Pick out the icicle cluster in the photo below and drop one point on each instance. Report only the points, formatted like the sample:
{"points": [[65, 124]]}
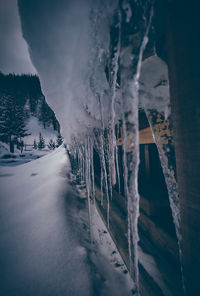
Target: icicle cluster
{"points": [[98, 65], [120, 97]]}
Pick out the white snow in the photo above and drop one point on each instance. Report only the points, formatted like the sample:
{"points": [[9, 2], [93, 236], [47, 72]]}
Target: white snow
{"points": [[32, 209], [45, 172], [107, 257], [18, 158], [4, 149], [149, 264], [34, 127]]}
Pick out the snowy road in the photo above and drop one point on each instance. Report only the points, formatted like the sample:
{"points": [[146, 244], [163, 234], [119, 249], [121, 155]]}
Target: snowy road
{"points": [[44, 248]]}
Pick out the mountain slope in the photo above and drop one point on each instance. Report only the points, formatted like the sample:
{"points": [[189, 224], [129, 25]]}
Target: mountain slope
{"points": [[24, 112]]}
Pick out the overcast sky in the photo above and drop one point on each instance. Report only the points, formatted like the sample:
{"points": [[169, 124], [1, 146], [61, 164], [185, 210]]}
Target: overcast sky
{"points": [[14, 56]]}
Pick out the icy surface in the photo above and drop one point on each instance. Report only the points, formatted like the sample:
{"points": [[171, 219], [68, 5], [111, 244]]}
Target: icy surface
{"points": [[44, 236]]}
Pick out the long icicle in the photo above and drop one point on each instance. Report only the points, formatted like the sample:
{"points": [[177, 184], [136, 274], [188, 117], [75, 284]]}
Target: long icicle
{"points": [[125, 168], [117, 167], [133, 166], [105, 179], [88, 185], [113, 98], [101, 186], [92, 169], [103, 161]]}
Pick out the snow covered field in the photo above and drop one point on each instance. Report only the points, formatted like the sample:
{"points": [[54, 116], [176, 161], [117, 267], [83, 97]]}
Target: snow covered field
{"points": [[45, 245], [35, 127], [18, 158]]}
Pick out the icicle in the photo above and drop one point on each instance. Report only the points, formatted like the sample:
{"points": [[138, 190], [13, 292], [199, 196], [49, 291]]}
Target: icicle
{"points": [[109, 166], [82, 166], [101, 186], [82, 163], [117, 160], [103, 161], [88, 185], [92, 170], [117, 167], [170, 179], [125, 168], [113, 115], [131, 163]]}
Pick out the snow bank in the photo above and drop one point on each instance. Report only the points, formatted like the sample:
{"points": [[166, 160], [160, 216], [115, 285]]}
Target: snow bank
{"points": [[38, 206]]}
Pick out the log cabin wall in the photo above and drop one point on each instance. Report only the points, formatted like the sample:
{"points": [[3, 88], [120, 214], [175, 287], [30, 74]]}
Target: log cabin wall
{"points": [[182, 26], [156, 228], [177, 27], [177, 43]]}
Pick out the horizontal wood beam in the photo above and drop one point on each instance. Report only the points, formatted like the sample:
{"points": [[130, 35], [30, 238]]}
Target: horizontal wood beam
{"points": [[145, 136]]}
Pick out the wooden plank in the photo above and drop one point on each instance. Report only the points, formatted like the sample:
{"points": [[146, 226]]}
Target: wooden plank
{"points": [[146, 136]]}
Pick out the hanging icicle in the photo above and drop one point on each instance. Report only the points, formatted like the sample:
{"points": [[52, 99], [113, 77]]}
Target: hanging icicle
{"points": [[115, 68], [130, 89]]}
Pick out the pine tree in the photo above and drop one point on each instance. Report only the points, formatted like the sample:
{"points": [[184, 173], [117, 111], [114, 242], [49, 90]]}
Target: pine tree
{"points": [[51, 145], [20, 98], [59, 140], [21, 130], [44, 116], [41, 143], [12, 125], [35, 144]]}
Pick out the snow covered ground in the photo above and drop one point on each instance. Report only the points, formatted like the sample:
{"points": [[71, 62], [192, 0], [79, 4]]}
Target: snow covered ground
{"points": [[35, 127], [45, 244], [18, 158]]}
